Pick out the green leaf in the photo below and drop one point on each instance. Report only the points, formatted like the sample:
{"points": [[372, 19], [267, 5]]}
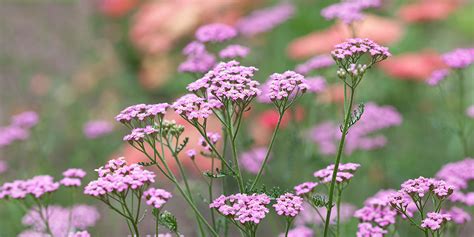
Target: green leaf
{"points": [[167, 220]]}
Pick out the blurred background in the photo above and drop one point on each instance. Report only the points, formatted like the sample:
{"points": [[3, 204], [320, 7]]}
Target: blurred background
{"points": [[78, 63]]}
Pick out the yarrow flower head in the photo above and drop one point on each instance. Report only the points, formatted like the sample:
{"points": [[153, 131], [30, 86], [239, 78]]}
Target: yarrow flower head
{"points": [[378, 210], [139, 134], [244, 208], [264, 20], [26, 119], [72, 177], [286, 85], [344, 174], [156, 197], [252, 159], [228, 81], [458, 215], [314, 63], [350, 51], [349, 10], [368, 230], [288, 205], [304, 188], [117, 177], [191, 106], [316, 84], [459, 58], [434, 221], [141, 112], [97, 128], [198, 62], [215, 33], [36, 187], [437, 76], [459, 174], [213, 137], [234, 51], [419, 186]]}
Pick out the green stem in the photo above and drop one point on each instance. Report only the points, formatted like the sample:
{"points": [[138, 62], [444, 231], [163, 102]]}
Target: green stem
{"points": [[338, 203], [461, 132], [336, 165], [259, 174], [288, 225]]}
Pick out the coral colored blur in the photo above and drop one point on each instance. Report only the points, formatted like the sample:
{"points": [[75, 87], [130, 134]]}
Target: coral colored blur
{"points": [[412, 66], [379, 29], [428, 10], [116, 8]]}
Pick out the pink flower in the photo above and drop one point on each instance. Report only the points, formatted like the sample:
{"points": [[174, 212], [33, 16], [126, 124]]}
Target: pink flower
{"points": [[304, 188], [368, 230], [156, 197], [97, 128], [215, 33], [141, 112], [470, 111], [228, 81], [349, 10], [234, 51], [345, 173], [264, 20], [356, 47], [315, 63], [286, 85], [190, 107], [288, 205], [459, 216], [243, 208], [26, 119], [252, 159], [459, 58], [437, 76], [434, 220]]}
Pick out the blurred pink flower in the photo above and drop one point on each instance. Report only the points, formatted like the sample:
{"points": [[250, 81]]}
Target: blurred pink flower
{"points": [[3, 166], [97, 128], [470, 111], [252, 159], [310, 216], [428, 10], [412, 66]]}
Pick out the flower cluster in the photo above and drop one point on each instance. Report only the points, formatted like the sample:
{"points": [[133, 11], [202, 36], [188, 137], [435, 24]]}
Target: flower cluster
{"points": [[350, 51], [117, 177], [156, 197], [459, 58], [377, 210], [141, 112], [36, 187], [252, 159], [265, 19], [349, 11], [228, 81], [421, 186], [458, 215], [97, 128], [72, 177], [19, 128], [434, 220], [459, 174], [437, 76], [139, 134], [198, 59], [368, 230], [316, 84], [286, 85], [288, 205], [243, 208], [213, 137], [314, 63], [304, 188], [61, 221], [215, 33], [374, 118], [470, 111], [234, 51], [344, 174], [191, 107]]}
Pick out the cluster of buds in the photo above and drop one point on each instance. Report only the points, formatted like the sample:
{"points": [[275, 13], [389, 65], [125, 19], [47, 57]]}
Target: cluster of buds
{"points": [[171, 128]]}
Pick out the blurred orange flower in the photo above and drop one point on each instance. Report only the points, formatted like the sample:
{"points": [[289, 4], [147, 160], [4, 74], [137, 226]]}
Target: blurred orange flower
{"points": [[412, 66], [380, 29], [428, 10]]}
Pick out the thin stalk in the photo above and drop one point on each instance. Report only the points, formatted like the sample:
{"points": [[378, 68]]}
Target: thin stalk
{"points": [[288, 225], [338, 206], [259, 174], [461, 132], [336, 165]]}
